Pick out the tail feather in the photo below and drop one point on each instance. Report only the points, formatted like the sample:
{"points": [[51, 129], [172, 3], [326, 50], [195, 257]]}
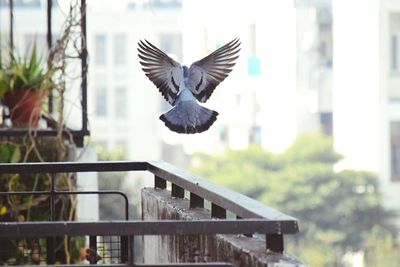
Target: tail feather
{"points": [[189, 118]]}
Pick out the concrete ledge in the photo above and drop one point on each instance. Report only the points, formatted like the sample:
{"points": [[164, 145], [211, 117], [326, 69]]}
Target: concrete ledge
{"points": [[240, 250]]}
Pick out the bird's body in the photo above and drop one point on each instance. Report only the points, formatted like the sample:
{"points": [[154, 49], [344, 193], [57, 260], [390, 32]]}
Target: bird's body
{"points": [[183, 87]]}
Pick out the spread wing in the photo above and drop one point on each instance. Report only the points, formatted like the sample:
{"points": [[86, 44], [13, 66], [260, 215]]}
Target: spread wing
{"points": [[207, 73], [163, 71]]}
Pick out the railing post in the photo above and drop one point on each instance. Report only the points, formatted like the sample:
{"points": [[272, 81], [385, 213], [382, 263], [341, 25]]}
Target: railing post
{"points": [[50, 253], [51, 241], [239, 218], [217, 212], [124, 240], [84, 67], [131, 261], [124, 249], [159, 182], [93, 250], [11, 36], [177, 191], [49, 44], [274, 242], [196, 201]]}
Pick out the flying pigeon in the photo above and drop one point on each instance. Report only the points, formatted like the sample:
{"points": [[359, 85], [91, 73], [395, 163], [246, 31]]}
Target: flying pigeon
{"points": [[183, 87]]}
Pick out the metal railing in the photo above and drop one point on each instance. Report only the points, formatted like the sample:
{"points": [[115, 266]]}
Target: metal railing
{"points": [[252, 216]]}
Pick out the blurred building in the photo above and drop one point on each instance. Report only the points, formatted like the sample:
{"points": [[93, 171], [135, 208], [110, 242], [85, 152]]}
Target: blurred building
{"points": [[124, 104], [366, 89], [281, 85]]}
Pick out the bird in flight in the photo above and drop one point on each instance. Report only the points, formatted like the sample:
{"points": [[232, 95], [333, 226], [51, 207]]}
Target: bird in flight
{"points": [[184, 87]]}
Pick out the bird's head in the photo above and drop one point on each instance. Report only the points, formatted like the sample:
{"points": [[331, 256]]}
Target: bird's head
{"points": [[185, 71]]}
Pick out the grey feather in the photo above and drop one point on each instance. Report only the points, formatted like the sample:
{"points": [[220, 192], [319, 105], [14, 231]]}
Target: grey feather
{"points": [[206, 74], [163, 71], [188, 117], [183, 87]]}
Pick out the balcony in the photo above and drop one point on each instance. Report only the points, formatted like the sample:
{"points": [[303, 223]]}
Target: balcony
{"points": [[186, 221]]}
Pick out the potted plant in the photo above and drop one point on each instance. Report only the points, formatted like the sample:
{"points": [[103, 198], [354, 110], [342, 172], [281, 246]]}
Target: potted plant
{"points": [[25, 82]]}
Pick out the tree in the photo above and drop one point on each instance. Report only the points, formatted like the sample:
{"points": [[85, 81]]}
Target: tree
{"points": [[336, 210]]}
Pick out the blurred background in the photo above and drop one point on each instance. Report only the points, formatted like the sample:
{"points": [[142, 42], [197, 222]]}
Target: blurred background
{"points": [[309, 118]]}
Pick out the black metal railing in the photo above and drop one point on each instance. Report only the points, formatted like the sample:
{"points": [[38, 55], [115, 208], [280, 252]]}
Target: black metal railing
{"points": [[252, 216], [78, 135]]}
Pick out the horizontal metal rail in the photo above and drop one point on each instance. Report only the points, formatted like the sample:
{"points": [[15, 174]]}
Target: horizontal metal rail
{"points": [[139, 227], [239, 204], [195, 264], [272, 222], [77, 135], [61, 167]]}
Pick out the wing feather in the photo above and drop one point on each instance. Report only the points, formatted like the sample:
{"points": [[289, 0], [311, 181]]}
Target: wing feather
{"points": [[163, 71], [206, 74]]}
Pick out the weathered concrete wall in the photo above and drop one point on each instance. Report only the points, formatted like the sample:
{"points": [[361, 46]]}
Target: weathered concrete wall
{"points": [[241, 250]]}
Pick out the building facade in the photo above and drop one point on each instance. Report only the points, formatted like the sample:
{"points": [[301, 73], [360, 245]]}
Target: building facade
{"points": [[366, 88]]}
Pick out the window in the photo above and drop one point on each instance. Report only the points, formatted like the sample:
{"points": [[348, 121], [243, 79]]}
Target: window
{"points": [[121, 102], [253, 64], [395, 52], [326, 123], [120, 50], [100, 49], [255, 135], [101, 101], [395, 42], [395, 150]]}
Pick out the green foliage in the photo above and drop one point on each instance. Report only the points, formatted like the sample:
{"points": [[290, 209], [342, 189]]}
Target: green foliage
{"points": [[9, 152], [381, 249], [31, 208], [23, 73], [337, 210]]}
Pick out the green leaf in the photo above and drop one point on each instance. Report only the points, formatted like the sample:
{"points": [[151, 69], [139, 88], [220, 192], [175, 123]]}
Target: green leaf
{"points": [[16, 155]]}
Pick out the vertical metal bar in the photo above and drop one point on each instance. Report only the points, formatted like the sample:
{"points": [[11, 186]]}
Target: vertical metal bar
{"points": [[274, 242], [239, 218], [196, 201], [159, 182], [11, 10], [49, 20], [84, 67], [124, 249], [50, 241], [217, 212], [50, 251], [131, 261], [1, 45], [124, 239], [177, 191], [52, 197], [93, 250], [49, 44]]}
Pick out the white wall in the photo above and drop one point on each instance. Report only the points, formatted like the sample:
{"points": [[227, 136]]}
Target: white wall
{"points": [[279, 93], [356, 85], [391, 110], [87, 205]]}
